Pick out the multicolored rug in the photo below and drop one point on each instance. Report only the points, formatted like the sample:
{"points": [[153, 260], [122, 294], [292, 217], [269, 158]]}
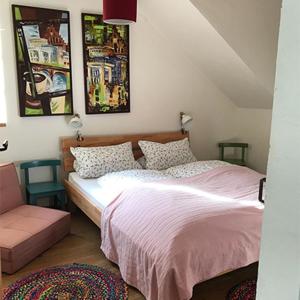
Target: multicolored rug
{"points": [[69, 282], [244, 291]]}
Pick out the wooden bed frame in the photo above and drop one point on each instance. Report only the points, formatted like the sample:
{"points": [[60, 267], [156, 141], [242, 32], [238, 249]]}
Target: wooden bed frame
{"points": [[79, 198]]}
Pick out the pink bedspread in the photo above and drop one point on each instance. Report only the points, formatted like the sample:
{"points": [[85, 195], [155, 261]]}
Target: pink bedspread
{"points": [[170, 235]]}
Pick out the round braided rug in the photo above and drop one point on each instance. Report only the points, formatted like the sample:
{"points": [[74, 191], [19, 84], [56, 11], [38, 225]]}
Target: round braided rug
{"points": [[69, 282], [244, 291]]}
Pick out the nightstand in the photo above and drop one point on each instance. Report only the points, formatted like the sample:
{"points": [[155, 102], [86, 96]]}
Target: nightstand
{"points": [[237, 161]]}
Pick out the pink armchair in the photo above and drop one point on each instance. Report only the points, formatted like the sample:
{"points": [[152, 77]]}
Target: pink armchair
{"points": [[25, 231]]}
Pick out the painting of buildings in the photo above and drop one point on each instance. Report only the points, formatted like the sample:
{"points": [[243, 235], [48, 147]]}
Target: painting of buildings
{"points": [[106, 62], [43, 61]]}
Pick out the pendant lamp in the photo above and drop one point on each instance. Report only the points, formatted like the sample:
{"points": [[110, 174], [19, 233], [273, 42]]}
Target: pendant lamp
{"points": [[119, 12]]}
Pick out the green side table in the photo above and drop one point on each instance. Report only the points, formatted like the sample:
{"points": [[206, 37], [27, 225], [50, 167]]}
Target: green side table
{"points": [[237, 161]]}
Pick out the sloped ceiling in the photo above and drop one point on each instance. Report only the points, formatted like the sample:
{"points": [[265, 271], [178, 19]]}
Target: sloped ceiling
{"points": [[250, 28], [241, 62]]}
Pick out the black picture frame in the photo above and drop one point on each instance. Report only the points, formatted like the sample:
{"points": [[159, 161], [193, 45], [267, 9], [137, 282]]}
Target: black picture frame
{"points": [[44, 61], [106, 66]]}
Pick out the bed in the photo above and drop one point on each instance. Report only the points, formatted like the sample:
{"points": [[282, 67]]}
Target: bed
{"points": [[178, 231], [78, 197]]}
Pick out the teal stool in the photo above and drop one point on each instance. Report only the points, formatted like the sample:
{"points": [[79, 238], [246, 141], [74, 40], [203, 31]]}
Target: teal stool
{"points": [[44, 189]]}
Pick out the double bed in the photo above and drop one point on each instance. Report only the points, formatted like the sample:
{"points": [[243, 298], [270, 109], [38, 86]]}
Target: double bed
{"points": [[190, 224], [82, 196]]}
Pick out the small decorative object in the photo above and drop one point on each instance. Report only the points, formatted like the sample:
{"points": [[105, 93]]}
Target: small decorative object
{"points": [[4, 146], [43, 52], [75, 281], [185, 120], [243, 291], [77, 123], [106, 66], [119, 12]]}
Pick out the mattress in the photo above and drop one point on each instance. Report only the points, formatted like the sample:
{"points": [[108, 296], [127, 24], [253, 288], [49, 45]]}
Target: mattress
{"points": [[92, 190], [102, 191]]}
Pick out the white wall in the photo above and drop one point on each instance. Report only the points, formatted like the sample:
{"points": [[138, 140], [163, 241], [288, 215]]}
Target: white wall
{"points": [[279, 269], [163, 83], [195, 37], [254, 126], [236, 54]]}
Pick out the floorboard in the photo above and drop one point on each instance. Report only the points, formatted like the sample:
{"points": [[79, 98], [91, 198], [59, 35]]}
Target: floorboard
{"points": [[83, 246]]}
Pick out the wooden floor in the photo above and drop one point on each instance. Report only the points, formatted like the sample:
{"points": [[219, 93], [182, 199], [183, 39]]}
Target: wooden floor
{"points": [[83, 246]]}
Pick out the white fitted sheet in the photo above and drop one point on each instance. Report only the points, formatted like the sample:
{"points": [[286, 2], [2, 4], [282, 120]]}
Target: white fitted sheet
{"points": [[104, 190], [91, 189]]}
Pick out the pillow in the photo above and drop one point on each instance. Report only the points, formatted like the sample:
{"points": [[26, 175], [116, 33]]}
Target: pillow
{"points": [[163, 156], [93, 162], [76, 166], [195, 168], [142, 162]]}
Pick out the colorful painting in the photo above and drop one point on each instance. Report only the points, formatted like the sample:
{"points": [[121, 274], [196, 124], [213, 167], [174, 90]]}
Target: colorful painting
{"points": [[106, 64], [43, 54]]}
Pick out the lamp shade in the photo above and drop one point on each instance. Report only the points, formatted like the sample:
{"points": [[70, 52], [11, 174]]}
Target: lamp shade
{"points": [[4, 146], [186, 119], [76, 122], [119, 12]]}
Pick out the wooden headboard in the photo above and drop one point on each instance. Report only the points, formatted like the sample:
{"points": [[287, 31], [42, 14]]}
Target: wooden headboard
{"points": [[95, 141]]}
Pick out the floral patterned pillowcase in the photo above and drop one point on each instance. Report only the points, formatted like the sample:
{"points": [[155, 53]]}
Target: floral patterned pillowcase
{"points": [[142, 162], [93, 162], [163, 156], [195, 168]]}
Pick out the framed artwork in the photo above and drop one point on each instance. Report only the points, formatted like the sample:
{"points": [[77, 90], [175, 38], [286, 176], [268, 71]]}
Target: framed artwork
{"points": [[43, 54], [106, 66]]}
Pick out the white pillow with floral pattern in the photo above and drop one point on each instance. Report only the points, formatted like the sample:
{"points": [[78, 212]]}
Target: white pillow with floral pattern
{"points": [[163, 156], [93, 162]]}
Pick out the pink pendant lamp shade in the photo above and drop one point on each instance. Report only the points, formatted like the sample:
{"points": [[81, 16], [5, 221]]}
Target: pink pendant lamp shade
{"points": [[119, 12]]}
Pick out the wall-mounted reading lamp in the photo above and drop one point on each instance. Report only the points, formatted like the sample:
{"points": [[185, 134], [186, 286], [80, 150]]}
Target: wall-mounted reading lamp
{"points": [[77, 123], [185, 121], [4, 146]]}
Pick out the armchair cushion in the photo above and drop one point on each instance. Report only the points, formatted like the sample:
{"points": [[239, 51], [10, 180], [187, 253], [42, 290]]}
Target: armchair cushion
{"points": [[10, 192], [27, 231]]}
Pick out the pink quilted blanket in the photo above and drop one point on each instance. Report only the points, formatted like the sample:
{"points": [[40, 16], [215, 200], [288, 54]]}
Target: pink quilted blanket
{"points": [[168, 236]]}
